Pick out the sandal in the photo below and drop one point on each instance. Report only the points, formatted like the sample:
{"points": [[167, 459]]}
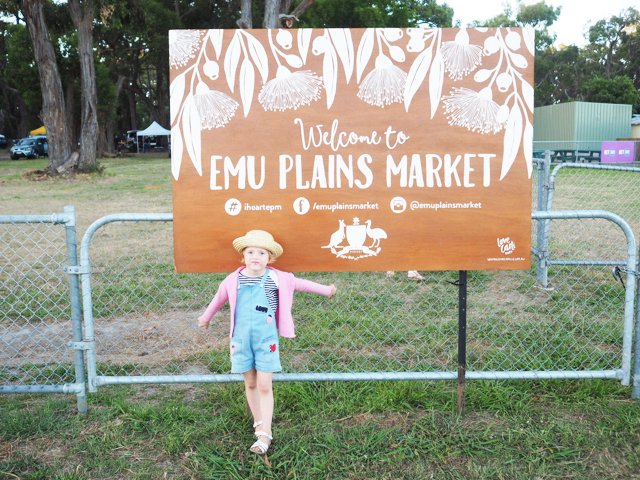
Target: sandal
{"points": [[257, 424], [260, 447]]}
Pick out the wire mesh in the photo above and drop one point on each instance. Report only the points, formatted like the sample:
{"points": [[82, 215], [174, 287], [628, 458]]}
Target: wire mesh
{"points": [[35, 324], [145, 317], [585, 188]]}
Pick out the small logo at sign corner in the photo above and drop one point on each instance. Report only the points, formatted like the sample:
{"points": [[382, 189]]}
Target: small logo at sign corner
{"points": [[506, 245], [233, 207], [356, 236]]}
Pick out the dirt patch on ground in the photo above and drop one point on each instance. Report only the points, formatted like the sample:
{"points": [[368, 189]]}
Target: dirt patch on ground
{"points": [[142, 339]]}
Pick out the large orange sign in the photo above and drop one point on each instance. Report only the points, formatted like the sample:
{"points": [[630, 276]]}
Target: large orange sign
{"points": [[358, 149]]}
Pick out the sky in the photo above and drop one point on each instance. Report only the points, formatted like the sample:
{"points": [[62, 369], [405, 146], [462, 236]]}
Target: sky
{"points": [[573, 23]]}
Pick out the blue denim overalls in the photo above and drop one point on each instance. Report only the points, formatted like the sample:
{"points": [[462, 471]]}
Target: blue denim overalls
{"points": [[254, 343]]}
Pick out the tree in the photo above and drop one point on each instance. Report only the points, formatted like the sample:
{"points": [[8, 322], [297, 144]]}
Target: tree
{"points": [[272, 11], [53, 101], [606, 38], [618, 89], [377, 13], [82, 14], [559, 74], [19, 88], [538, 15]]}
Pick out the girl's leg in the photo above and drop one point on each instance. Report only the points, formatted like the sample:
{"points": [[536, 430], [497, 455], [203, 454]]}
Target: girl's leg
{"points": [[251, 392], [265, 400], [265, 395]]}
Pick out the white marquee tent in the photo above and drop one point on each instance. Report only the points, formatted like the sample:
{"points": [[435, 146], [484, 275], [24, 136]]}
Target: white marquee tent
{"points": [[153, 130]]}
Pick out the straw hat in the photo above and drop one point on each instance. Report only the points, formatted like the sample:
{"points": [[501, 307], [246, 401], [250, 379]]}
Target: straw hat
{"points": [[258, 238]]}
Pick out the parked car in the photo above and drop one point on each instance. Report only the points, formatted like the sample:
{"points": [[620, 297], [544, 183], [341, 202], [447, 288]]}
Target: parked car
{"points": [[3, 141], [29, 147]]}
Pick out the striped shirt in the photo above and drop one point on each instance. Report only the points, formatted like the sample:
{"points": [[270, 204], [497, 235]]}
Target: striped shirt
{"points": [[270, 287]]}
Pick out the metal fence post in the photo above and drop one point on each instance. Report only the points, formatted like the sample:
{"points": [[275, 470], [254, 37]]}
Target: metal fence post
{"points": [[76, 309], [542, 271], [635, 391], [542, 274]]}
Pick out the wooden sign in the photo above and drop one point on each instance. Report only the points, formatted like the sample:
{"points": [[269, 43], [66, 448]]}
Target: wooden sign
{"points": [[358, 149]]}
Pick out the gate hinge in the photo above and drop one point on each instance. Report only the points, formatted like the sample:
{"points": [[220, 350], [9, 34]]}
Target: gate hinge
{"points": [[82, 345], [76, 269]]}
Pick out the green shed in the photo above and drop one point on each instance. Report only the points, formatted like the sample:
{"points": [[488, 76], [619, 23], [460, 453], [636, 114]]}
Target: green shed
{"points": [[580, 125]]}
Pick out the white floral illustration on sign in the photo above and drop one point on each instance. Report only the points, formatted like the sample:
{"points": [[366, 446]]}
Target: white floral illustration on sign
{"points": [[476, 111], [356, 236], [391, 66], [385, 84], [460, 57], [215, 108], [183, 45], [290, 90]]}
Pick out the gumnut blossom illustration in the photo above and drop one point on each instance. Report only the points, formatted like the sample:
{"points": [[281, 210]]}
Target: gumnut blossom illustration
{"points": [[290, 90], [460, 57], [214, 108], [183, 46], [475, 111], [384, 85]]}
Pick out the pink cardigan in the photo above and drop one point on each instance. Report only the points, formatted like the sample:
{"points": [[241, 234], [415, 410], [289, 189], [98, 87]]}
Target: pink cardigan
{"points": [[287, 285]]}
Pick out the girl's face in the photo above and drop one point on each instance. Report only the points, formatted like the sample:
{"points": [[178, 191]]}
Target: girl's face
{"points": [[256, 260]]}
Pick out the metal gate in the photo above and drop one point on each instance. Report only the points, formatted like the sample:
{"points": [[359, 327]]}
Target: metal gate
{"points": [[40, 308], [140, 315]]}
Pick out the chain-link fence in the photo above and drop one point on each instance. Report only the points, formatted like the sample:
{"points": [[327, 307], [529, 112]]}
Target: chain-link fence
{"points": [[39, 306], [142, 315], [145, 320]]}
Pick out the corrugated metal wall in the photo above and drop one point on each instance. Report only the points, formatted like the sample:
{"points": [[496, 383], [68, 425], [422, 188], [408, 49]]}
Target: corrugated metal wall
{"points": [[580, 125]]}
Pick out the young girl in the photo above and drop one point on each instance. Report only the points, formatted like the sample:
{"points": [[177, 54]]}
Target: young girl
{"points": [[260, 300]]}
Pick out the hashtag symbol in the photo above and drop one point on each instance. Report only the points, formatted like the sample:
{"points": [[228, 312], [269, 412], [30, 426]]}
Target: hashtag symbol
{"points": [[232, 207]]}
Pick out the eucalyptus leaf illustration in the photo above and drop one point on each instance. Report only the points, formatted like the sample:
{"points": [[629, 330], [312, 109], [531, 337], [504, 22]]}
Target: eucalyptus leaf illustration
{"points": [[258, 55], [330, 74], [436, 79], [192, 132], [417, 74], [177, 148], [512, 140], [176, 92], [365, 50], [231, 60], [215, 36], [341, 38], [247, 85], [304, 40]]}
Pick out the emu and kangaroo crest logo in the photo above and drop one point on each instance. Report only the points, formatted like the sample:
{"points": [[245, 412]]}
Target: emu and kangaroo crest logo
{"points": [[356, 236]]}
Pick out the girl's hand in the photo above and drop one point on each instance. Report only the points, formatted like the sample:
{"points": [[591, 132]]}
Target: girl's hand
{"points": [[333, 290], [202, 322]]}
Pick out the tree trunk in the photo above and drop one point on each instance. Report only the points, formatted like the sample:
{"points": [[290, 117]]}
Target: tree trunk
{"points": [[82, 16], [246, 14], [271, 12], [53, 105], [108, 123]]}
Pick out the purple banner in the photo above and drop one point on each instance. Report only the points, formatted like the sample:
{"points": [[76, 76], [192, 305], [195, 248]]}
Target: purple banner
{"points": [[618, 152]]}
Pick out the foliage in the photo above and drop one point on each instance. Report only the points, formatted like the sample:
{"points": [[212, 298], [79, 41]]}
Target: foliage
{"points": [[130, 39], [378, 13], [618, 89], [539, 15]]}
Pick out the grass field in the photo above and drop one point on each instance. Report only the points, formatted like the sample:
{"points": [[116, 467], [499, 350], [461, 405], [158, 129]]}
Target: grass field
{"points": [[386, 430]]}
